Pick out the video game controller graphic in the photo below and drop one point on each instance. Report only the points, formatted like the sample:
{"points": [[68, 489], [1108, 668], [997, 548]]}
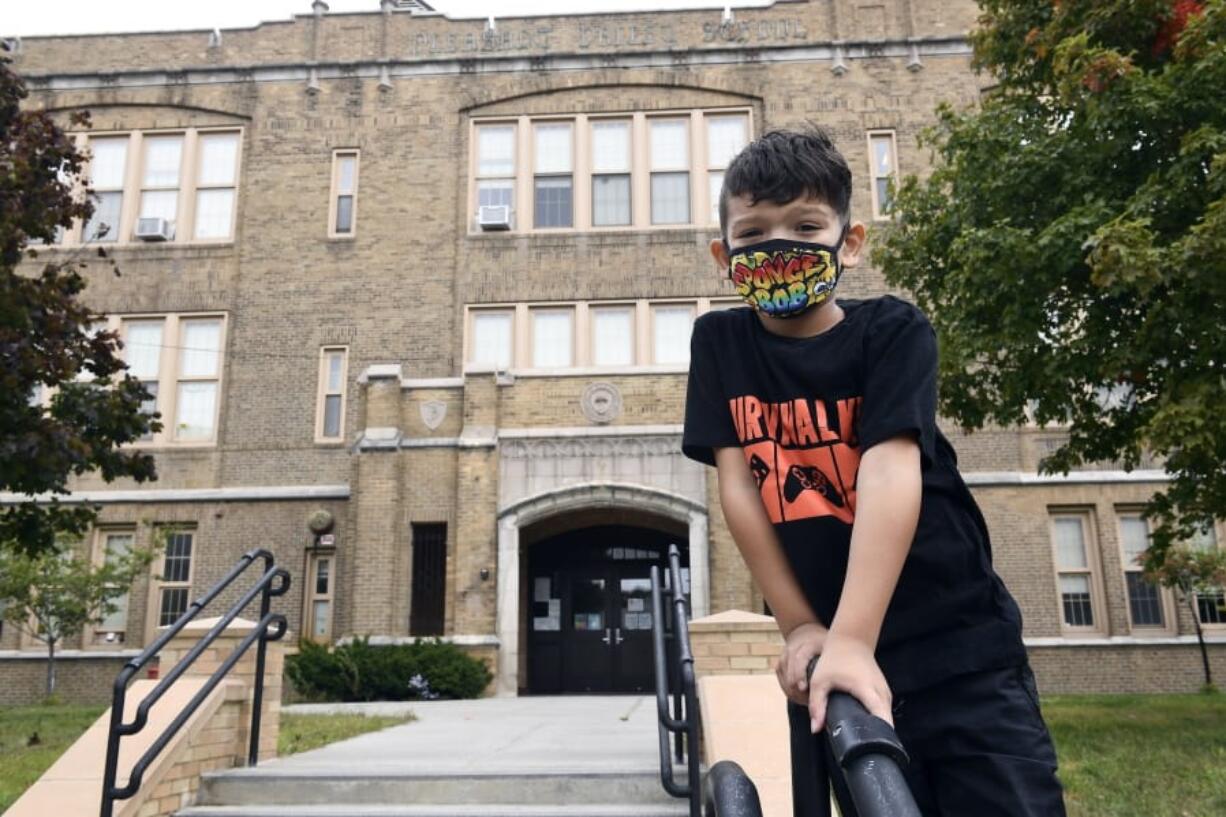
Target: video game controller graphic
{"points": [[808, 477], [759, 469]]}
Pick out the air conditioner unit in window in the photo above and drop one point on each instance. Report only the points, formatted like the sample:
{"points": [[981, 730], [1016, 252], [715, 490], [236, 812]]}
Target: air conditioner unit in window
{"points": [[154, 229], [494, 217]]}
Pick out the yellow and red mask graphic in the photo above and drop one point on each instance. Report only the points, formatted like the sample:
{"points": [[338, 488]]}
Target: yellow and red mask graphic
{"points": [[782, 278]]}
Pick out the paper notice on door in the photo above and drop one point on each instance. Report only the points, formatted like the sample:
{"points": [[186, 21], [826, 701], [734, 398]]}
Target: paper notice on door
{"points": [[546, 624], [540, 590], [635, 605], [555, 608]]}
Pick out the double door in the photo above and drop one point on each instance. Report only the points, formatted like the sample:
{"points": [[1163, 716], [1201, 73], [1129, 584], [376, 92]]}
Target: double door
{"points": [[608, 632]]}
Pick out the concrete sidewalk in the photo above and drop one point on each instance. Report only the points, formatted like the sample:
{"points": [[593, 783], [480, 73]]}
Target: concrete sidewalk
{"points": [[528, 735]]}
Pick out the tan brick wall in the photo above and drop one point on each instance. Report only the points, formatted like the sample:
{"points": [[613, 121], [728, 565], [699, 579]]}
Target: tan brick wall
{"points": [[735, 643], [78, 680]]}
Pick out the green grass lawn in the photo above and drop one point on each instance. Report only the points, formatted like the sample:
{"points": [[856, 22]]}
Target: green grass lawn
{"points": [[300, 733], [22, 759], [1143, 755]]}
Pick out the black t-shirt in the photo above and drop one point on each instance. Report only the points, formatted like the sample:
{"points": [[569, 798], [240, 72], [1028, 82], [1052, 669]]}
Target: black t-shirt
{"points": [[804, 410]]}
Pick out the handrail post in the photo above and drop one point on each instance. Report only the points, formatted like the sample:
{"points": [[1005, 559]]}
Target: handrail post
{"points": [[257, 698]]}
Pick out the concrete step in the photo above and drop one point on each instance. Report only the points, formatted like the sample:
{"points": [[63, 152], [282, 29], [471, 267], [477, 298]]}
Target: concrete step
{"points": [[265, 786], [678, 808]]}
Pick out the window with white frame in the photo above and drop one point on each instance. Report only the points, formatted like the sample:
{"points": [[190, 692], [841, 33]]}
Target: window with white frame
{"points": [[670, 171], [727, 134], [1074, 570], [553, 338], [883, 167], [553, 182], [113, 545], [175, 582], [496, 166], [143, 354], [343, 209], [161, 171], [606, 171], [612, 335], [321, 578], [198, 376], [671, 325], [107, 175], [491, 339], [611, 168], [330, 415], [216, 185], [1145, 599], [1210, 606]]}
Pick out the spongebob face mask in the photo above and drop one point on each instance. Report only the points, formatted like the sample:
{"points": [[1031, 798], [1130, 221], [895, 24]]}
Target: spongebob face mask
{"points": [[782, 278]]}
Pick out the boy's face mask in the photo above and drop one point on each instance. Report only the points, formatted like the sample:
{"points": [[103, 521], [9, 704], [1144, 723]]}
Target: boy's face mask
{"points": [[782, 278]]}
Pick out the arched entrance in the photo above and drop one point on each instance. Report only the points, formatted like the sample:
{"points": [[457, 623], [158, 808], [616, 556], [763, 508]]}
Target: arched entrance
{"points": [[595, 545]]}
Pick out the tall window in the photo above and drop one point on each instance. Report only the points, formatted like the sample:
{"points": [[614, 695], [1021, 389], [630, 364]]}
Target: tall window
{"points": [[554, 184], [143, 353], [1144, 598], [343, 212], [496, 166], [1074, 571], [671, 333], [320, 581], [330, 423], [1211, 607], [107, 174], [552, 338], [176, 577], [670, 177], [612, 335], [491, 338], [726, 135], [113, 628], [884, 170], [215, 185], [427, 605], [160, 179], [611, 172], [199, 370]]}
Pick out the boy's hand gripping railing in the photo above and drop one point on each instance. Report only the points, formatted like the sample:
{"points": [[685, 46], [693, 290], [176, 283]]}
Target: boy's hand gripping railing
{"points": [[870, 756], [683, 720], [274, 582]]}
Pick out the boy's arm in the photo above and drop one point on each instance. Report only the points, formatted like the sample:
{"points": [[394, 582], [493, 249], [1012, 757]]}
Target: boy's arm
{"points": [[888, 488], [759, 546]]}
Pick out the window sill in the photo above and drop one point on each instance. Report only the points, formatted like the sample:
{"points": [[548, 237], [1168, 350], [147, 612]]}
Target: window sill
{"points": [[584, 371], [588, 232]]}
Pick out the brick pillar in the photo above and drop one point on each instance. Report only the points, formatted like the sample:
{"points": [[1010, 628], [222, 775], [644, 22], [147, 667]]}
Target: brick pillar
{"points": [[735, 643], [477, 508]]}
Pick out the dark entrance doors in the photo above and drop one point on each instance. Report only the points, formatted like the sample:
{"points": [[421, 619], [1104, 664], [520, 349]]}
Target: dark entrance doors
{"points": [[589, 617]]}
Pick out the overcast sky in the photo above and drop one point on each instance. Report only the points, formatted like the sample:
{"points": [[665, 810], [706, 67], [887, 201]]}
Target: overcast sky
{"points": [[28, 18]]}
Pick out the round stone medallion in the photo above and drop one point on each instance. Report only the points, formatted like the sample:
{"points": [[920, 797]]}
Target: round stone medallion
{"points": [[601, 403]]}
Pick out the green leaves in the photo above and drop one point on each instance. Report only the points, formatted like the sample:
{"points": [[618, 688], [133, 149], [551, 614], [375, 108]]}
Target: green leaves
{"points": [[1069, 242]]}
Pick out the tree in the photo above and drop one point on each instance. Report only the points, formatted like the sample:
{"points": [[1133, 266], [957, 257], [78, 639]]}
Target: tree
{"points": [[1070, 241], [45, 340], [1190, 572], [54, 594]]}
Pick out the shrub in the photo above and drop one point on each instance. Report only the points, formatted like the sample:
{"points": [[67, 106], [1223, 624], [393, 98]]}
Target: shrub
{"points": [[360, 671]]}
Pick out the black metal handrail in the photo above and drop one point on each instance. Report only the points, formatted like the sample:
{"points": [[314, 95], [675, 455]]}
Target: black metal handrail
{"points": [[274, 582], [728, 792], [870, 757], [683, 720]]}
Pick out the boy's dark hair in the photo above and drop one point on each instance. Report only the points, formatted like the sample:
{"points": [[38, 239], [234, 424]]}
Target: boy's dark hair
{"points": [[784, 165]]}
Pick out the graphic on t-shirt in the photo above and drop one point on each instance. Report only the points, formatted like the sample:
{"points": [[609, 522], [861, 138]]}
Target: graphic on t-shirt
{"points": [[803, 455]]}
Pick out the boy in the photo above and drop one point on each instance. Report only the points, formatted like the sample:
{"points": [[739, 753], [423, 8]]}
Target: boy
{"points": [[846, 503]]}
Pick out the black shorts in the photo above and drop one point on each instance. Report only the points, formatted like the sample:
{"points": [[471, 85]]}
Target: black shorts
{"points": [[978, 746]]}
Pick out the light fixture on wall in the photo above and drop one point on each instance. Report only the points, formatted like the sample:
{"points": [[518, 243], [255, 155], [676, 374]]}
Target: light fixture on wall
{"points": [[485, 574]]}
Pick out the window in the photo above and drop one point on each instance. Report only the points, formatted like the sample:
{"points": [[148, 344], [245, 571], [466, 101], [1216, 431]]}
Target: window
{"points": [[612, 335], [1074, 572], [491, 338], [552, 338], [216, 184], [611, 173], [112, 629], [883, 167], [670, 178], [429, 578], [726, 135], [330, 400], [671, 326], [1210, 607], [320, 581], [342, 214], [199, 368], [553, 188], [107, 175], [607, 171], [143, 354], [159, 196], [1145, 599], [496, 166], [176, 577]]}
